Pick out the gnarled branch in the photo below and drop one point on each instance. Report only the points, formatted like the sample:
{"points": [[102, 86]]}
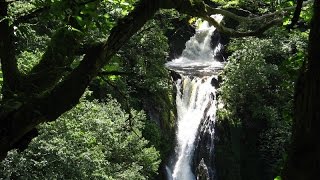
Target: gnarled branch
{"points": [[269, 20], [296, 14], [31, 15], [234, 33]]}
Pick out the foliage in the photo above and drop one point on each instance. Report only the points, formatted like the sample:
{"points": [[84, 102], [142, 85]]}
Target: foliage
{"points": [[137, 71], [257, 90], [92, 141], [227, 4], [278, 178], [27, 60], [143, 82], [147, 51], [94, 18], [260, 70]]}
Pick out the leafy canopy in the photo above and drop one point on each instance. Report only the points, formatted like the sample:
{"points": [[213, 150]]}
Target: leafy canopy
{"points": [[92, 141]]}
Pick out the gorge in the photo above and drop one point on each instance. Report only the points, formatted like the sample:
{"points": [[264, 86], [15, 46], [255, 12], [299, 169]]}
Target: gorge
{"points": [[196, 106]]}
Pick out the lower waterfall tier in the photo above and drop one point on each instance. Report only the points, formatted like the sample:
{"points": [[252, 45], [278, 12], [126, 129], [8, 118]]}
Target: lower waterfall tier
{"points": [[196, 110]]}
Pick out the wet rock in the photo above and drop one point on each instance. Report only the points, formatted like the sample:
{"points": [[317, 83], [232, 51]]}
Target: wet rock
{"points": [[178, 36], [215, 39], [219, 57], [202, 171], [215, 82], [204, 151], [175, 76]]}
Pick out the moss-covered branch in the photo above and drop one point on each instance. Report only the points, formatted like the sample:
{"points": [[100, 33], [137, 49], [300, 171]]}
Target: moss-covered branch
{"points": [[296, 14], [235, 33], [58, 57], [265, 21]]}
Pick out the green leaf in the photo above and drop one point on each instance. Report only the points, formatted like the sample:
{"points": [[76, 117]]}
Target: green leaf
{"points": [[277, 178]]}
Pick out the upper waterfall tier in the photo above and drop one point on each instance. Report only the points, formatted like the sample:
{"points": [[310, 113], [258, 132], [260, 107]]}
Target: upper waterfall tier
{"points": [[199, 57]]}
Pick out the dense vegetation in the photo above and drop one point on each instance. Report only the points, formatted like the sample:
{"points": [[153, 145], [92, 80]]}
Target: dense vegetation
{"points": [[99, 138], [92, 141], [52, 52], [257, 92]]}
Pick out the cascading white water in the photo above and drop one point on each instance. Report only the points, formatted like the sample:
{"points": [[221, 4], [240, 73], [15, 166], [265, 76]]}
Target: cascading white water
{"points": [[198, 56], [194, 102], [195, 96]]}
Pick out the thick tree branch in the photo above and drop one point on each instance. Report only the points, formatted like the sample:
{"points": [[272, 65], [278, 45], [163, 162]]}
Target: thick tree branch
{"points": [[31, 15], [234, 33], [255, 18], [203, 11], [244, 19], [57, 58], [296, 14], [269, 20], [11, 74], [226, 13]]}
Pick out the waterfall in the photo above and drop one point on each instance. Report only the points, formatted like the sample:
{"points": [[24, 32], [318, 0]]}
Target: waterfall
{"points": [[196, 105]]}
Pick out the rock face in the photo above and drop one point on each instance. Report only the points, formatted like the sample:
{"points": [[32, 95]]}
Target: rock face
{"points": [[203, 160], [204, 157], [215, 82], [202, 171]]}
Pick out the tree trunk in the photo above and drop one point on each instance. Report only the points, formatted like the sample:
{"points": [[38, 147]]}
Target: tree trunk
{"points": [[303, 162]]}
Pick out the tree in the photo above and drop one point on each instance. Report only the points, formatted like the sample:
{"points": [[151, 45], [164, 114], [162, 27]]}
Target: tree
{"points": [[304, 156], [257, 93], [48, 91], [91, 141]]}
